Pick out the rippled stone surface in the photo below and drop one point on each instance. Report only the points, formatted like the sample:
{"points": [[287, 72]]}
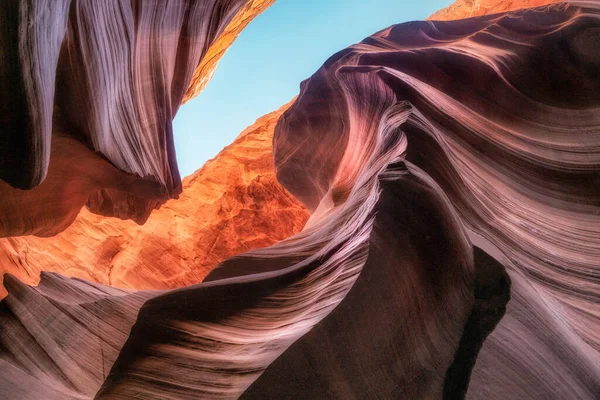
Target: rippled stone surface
{"points": [[231, 205], [451, 173], [88, 93], [474, 8]]}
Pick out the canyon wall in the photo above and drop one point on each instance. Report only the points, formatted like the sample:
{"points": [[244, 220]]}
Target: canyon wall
{"points": [[112, 251], [474, 8], [89, 91], [231, 205], [120, 253], [450, 172]]}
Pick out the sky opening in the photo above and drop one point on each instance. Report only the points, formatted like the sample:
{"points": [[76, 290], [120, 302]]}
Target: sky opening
{"points": [[263, 68]]}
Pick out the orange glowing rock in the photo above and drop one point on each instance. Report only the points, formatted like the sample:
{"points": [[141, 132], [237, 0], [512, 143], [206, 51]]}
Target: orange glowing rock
{"points": [[473, 8], [229, 206]]}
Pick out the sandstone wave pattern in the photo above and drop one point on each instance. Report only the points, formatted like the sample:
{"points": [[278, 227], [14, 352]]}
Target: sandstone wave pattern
{"points": [[451, 172]]}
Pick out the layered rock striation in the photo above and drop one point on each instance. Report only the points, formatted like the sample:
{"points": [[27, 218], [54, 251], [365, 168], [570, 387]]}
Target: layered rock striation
{"points": [[474, 8], [231, 205], [88, 94], [450, 170]]}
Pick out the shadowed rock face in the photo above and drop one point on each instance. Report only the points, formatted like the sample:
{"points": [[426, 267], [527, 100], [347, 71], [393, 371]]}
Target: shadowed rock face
{"points": [[444, 174], [231, 205], [87, 98]]}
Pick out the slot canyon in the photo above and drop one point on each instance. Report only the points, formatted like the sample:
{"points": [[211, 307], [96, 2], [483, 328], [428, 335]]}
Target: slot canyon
{"points": [[422, 221]]}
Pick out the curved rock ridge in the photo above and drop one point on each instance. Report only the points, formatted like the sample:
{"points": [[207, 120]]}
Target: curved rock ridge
{"points": [[444, 174], [69, 357], [204, 72], [517, 148], [231, 205], [89, 90], [429, 133], [474, 8]]}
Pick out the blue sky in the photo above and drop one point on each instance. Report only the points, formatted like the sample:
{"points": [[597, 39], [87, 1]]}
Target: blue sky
{"points": [[263, 68]]}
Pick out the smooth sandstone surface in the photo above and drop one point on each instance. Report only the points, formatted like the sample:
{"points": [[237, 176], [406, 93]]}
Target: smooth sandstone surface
{"points": [[451, 251], [474, 8], [93, 248], [231, 205], [88, 94]]}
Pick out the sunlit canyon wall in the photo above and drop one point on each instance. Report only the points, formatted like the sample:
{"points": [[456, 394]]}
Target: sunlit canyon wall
{"points": [[450, 170]]}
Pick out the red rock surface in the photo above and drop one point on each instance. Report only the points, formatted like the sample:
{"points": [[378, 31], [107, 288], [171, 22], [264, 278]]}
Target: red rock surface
{"points": [[231, 205], [438, 162], [439, 165], [437, 159], [473, 8], [88, 92], [221, 212]]}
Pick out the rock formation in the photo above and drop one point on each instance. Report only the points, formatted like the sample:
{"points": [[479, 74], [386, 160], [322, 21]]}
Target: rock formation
{"points": [[474, 8], [451, 171], [231, 205], [94, 248], [86, 108]]}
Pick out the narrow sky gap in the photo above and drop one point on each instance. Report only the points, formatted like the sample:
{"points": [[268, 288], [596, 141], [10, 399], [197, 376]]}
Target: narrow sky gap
{"points": [[263, 69]]}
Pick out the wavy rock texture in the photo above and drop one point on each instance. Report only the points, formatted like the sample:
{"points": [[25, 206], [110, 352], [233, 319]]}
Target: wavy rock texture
{"points": [[474, 8], [87, 98], [445, 163], [231, 205]]}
